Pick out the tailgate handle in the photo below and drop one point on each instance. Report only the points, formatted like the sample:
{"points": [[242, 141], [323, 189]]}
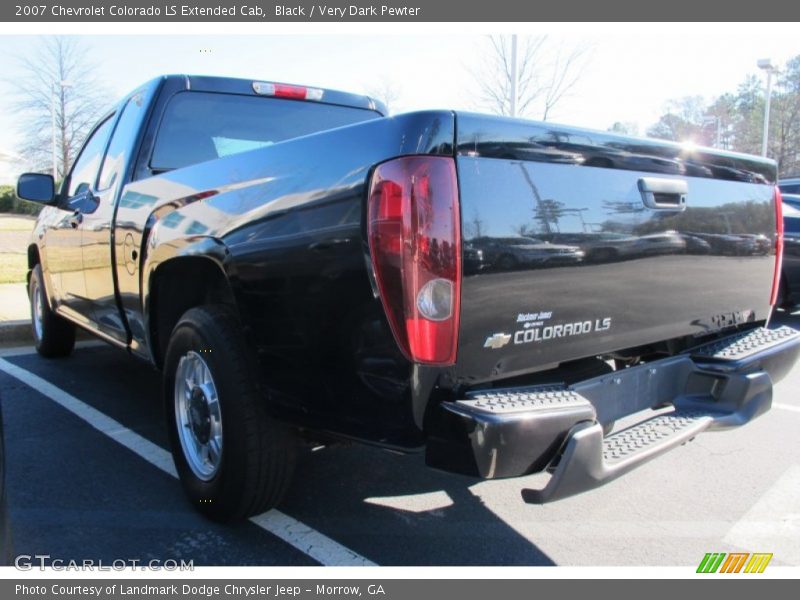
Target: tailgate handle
{"points": [[663, 194]]}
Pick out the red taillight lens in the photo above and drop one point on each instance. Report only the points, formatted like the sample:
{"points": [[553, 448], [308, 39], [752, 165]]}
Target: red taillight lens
{"points": [[284, 90], [776, 276], [414, 231], [296, 92]]}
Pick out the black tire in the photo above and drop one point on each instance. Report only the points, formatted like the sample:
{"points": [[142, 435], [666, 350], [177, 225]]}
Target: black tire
{"points": [[783, 302], [507, 263], [53, 336], [602, 255], [257, 453]]}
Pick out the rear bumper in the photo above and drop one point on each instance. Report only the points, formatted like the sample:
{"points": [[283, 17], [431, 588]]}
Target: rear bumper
{"points": [[513, 432]]}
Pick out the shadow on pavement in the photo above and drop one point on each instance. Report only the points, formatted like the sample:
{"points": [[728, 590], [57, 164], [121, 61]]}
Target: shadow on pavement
{"points": [[390, 508]]}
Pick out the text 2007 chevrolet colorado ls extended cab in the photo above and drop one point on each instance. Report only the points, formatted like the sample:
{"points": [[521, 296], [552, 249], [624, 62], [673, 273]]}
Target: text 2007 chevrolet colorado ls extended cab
{"points": [[495, 291]]}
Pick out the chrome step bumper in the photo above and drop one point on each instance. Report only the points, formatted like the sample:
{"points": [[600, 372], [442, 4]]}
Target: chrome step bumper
{"points": [[648, 436], [746, 345], [513, 432], [590, 460]]}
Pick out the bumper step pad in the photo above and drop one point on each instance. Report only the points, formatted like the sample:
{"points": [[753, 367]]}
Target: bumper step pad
{"points": [[524, 400], [626, 444], [745, 345], [747, 364], [559, 429], [590, 460]]}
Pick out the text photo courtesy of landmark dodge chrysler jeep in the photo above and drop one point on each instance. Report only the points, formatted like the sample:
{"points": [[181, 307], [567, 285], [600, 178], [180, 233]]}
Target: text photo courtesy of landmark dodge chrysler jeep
{"points": [[493, 292]]}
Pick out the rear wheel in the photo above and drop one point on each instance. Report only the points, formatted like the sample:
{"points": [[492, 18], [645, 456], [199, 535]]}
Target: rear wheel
{"points": [[53, 336], [783, 300], [507, 262], [233, 459], [604, 255]]}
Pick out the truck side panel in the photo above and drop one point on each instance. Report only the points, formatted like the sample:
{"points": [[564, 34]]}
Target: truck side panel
{"points": [[289, 217]]}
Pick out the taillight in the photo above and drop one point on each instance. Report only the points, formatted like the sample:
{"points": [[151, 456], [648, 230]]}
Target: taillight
{"points": [[414, 232], [776, 276], [284, 90]]}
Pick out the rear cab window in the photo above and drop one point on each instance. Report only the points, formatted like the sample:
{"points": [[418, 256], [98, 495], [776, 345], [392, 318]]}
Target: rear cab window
{"points": [[84, 172], [121, 144], [201, 126]]}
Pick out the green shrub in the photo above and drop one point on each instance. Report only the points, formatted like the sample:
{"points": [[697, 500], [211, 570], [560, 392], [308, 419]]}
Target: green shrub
{"points": [[23, 207], [6, 198], [9, 203]]}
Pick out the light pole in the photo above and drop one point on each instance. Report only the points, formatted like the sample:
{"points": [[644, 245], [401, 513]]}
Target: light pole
{"points": [[60, 87], [765, 64], [513, 102]]}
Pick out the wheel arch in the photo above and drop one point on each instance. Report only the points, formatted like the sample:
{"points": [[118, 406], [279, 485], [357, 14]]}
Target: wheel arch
{"points": [[177, 285], [35, 258]]}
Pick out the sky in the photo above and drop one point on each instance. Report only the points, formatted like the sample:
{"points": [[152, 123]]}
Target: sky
{"points": [[630, 72]]}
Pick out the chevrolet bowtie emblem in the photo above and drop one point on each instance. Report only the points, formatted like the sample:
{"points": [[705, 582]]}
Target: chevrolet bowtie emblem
{"points": [[498, 340]]}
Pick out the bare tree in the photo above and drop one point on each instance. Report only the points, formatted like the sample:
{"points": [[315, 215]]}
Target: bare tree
{"points": [[524, 230], [475, 226], [564, 70], [59, 79], [546, 74], [624, 128], [735, 120], [785, 119], [685, 120], [387, 92]]}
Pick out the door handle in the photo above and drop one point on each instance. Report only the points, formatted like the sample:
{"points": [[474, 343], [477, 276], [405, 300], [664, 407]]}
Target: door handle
{"points": [[329, 244], [76, 219], [663, 194]]}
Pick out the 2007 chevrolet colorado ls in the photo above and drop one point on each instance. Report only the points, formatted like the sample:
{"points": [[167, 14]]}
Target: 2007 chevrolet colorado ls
{"points": [[495, 291]]}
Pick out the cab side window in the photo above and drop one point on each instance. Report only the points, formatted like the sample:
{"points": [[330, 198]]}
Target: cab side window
{"points": [[85, 169], [119, 149]]}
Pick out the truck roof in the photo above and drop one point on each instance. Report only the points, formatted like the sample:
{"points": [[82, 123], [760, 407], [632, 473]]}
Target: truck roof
{"points": [[233, 85]]}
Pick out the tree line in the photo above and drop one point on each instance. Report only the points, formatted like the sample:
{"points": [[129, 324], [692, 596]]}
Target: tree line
{"points": [[735, 120], [61, 91]]}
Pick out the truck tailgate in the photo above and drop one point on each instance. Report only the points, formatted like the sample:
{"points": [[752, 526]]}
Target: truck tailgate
{"points": [[578, 243]]}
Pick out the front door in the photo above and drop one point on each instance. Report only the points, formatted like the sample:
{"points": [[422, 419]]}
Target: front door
{"points": [[64, 238]]}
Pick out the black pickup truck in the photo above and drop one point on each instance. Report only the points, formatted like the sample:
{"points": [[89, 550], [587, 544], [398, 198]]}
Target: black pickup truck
{"points": [[302, 267]]}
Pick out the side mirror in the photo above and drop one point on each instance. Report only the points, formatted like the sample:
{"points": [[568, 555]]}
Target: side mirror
{"points": [[36, 187]]}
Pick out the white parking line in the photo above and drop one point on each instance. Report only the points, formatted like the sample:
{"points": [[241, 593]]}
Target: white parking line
{"points": [[23, 350], [773, 523], [783, 406], [16, 350], [309, 541]]}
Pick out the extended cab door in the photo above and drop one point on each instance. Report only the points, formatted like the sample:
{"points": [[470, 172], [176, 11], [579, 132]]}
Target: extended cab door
{"points": [[63, 239], [103, 250]]}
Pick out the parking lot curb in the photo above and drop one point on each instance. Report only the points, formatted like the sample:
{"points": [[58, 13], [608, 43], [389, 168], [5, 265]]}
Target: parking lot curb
{"points": [[15, 332], [20, 333]]}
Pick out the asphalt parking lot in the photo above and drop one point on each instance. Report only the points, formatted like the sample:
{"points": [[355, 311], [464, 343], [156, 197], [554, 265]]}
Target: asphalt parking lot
{"points": [[89, 477]]}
